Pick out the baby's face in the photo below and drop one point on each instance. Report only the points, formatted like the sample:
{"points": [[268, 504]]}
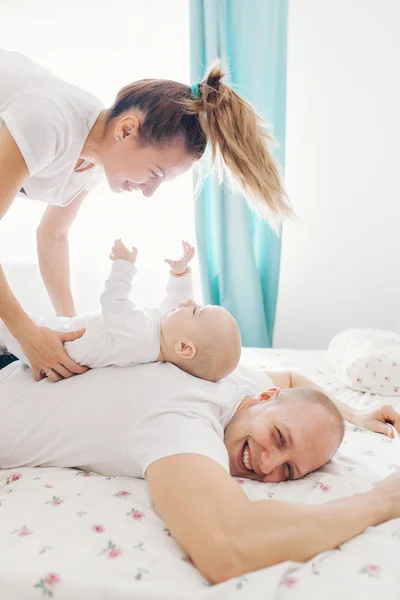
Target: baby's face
{"points": [[184, 321]]}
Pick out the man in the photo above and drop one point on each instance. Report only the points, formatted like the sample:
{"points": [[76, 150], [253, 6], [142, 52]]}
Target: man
{"points": [[184, 435]]}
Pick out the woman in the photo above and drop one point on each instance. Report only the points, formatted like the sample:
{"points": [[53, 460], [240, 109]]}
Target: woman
{"points": [[57, 142]]}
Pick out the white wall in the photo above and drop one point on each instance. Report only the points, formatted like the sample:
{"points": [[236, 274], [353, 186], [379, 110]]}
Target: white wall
{"points": [[101, 46], [341, 259]]}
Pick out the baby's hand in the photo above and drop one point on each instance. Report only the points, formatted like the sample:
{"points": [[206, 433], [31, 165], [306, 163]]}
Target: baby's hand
{"points": [[121, 252], [180, 266]]}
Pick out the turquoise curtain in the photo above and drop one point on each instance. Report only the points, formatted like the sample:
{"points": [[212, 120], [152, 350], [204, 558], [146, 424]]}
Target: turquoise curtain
{"points": [[239, 254]]}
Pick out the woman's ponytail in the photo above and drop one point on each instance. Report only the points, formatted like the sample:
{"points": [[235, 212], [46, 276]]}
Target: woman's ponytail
{"points": [[241, 145]]}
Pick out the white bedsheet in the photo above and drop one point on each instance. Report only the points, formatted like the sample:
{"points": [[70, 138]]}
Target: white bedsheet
{"points": [[68, 534]]}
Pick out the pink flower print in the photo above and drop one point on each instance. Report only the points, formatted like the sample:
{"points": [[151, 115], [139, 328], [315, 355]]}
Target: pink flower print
{"points": [[55, 501], [371, 570], [394, 364], [111, 550], [122, 494], [137, 515], [324, 488], [396, 389], [387, 378], [366, 365], [290, 582], [240, 481], [48, 485], [47, 582], [23, 532], [98, 528], [84, 473], [52, 578], [140, 573], [13, 478], [359, 379]]}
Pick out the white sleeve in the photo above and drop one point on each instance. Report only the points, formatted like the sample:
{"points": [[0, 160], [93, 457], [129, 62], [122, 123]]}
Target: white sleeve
{"points": [[179, 289], [172, 433], [121, 318], [38, 128]]}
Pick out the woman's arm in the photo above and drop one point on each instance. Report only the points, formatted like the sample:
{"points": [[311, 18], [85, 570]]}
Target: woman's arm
{"points": [[13, 174], [53, 254], [43, 347], [226, 535]]}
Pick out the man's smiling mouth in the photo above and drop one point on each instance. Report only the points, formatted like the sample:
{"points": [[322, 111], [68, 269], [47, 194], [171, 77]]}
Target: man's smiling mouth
{"points": [[245, 459]]}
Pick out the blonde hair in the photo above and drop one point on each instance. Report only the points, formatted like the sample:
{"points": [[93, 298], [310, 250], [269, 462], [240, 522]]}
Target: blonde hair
{"points": [[240, 143], [241, 146]]}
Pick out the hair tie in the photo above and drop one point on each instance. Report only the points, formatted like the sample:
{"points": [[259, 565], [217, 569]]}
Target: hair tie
{"points": [[195, 90]]}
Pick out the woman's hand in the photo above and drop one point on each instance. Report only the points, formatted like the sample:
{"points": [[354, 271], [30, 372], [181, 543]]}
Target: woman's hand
{"points": [[379, 419], [45, 350]]}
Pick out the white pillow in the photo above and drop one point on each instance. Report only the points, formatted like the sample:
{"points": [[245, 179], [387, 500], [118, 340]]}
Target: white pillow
{"points": [[367, 360]]}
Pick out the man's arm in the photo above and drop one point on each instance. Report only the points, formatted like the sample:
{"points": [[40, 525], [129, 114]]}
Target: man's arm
{"points": [[226, 535], [53, 254]]}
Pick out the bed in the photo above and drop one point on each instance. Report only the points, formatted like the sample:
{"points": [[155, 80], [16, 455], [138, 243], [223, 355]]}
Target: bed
{"points": [[68, 534]]}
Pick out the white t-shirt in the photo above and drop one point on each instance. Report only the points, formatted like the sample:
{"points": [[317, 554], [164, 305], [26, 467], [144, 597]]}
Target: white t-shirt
{"points": [[49, 120], [117, 421]]}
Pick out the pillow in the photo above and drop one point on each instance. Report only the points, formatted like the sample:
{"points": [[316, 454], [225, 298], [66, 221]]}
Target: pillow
{"points": [[367, 360]]}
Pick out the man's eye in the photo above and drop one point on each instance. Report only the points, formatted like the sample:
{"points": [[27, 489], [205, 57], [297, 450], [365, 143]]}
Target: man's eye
{"points": [[194, 310], [281, 438], [289, 471]]}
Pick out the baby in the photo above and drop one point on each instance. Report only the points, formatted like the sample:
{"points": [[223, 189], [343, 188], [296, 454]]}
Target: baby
{"points": [[202, 340]]}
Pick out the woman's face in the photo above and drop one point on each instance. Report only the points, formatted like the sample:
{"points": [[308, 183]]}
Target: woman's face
{"points": [[130, 166]]}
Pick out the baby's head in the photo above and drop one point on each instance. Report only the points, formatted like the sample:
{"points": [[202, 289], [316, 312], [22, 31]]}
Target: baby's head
{"points": [[202, 340]]}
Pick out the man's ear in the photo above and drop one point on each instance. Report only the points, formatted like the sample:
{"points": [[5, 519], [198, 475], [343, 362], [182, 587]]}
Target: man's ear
{"points": [[185, 349], [270, 394]]}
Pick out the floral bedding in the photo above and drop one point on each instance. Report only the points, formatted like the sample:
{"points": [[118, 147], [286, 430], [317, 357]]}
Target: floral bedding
{"points": [[68, 534]]}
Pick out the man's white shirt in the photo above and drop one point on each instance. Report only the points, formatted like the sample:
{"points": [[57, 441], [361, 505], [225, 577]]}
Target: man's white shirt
{"points": [[117, 421]]}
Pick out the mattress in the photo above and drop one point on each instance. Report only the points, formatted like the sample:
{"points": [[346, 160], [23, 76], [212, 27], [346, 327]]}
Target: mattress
{"points": [[68, 534]]}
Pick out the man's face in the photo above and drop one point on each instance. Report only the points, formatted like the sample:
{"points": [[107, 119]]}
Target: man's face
{"points": [[272, 440]]}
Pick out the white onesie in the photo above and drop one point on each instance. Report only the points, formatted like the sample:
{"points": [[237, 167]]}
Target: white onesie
{"points": [[119, 334]]}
